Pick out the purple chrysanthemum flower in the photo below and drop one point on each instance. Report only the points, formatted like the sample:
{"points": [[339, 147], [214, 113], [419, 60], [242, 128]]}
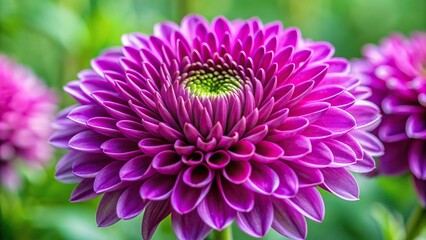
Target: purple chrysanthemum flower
{"points": [[216, 122], [26, 111], [396, 73]]}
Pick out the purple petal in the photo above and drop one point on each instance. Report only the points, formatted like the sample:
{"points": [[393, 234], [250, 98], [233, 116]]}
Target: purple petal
{"points": [[73, 89], [344, 100], [191, 133], [324, 93], [167, 162], [287, 221], [267, 152], [87, 141], [421, 190], [370, 143], [121, 148], [83, 191], [257, 222], [311, 111], [198, 176], [61, 137], [118, 111], [393, 129], [88, 165], [314, 132], [353, 143], [132, 129], [242, 150], [218, 159], [337, 121], [105, 126], [106, 214], [237, 171], [138, 168], [155, 212], [262, 179], [290, 128], [158, 187], [308, 201], [130, 204], [341, 183], [364, 165], [390, 163], [417, 159], [307, 177], [153, 146], [416, 126], [83, 113], [182, 148], [206, 146], [257, 134], [215, 211], [321, 51], [343, 155], [295, 147], [236, 196], [321, 156], [289, 184], [193, 159], [189, 226], [366, 114], [108, 178], [63, 172], [184, 198]]}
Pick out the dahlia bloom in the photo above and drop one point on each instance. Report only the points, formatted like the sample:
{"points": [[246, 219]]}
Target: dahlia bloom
{"points": [[396, 72], [26, 111], [216, 122]]}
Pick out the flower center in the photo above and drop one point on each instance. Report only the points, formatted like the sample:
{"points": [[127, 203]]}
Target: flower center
{"points": [[211, 80], [212, 84]]}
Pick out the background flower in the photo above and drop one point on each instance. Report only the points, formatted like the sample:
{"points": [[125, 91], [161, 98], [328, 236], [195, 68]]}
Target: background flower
{"points": [[26, 111], [395, 70], [213, 123]]}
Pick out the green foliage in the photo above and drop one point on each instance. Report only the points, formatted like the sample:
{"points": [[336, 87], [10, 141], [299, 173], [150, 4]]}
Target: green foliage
{"points": [[57, 38]]}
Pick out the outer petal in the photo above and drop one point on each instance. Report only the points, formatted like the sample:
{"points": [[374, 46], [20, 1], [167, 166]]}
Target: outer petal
{"points": [[236, 196], [189, 226], [154, 213], [158, 187], [262, 179], [106, 214], [308, 201], [421, 190], [184, 198], [257, 221], [215, 211], [130, 204], [417, 159], [340, 182], [288, 221], [84, 191]]}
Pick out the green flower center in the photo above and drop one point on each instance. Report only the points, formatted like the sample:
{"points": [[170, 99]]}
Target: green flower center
{"points": [[212, 83]]}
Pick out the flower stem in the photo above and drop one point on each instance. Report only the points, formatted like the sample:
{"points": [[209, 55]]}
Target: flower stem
{"points": [[225, 234], [416, 223]]}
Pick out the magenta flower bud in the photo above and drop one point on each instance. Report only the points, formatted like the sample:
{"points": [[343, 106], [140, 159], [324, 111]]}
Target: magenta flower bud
{"points": [[214, 123], [396, 73], [26, 110]]}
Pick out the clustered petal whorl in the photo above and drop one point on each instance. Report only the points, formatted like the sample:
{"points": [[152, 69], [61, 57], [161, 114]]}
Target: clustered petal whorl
{"points": [[396, 72], [26, 110], [216, 122]]}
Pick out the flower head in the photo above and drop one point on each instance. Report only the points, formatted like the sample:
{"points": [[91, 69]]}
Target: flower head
{"points": [[216, 122], [396, 72], [26, 111]]}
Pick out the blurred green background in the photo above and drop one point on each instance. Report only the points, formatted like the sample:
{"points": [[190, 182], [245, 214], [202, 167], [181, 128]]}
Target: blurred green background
{"points": [[57, 38]]}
